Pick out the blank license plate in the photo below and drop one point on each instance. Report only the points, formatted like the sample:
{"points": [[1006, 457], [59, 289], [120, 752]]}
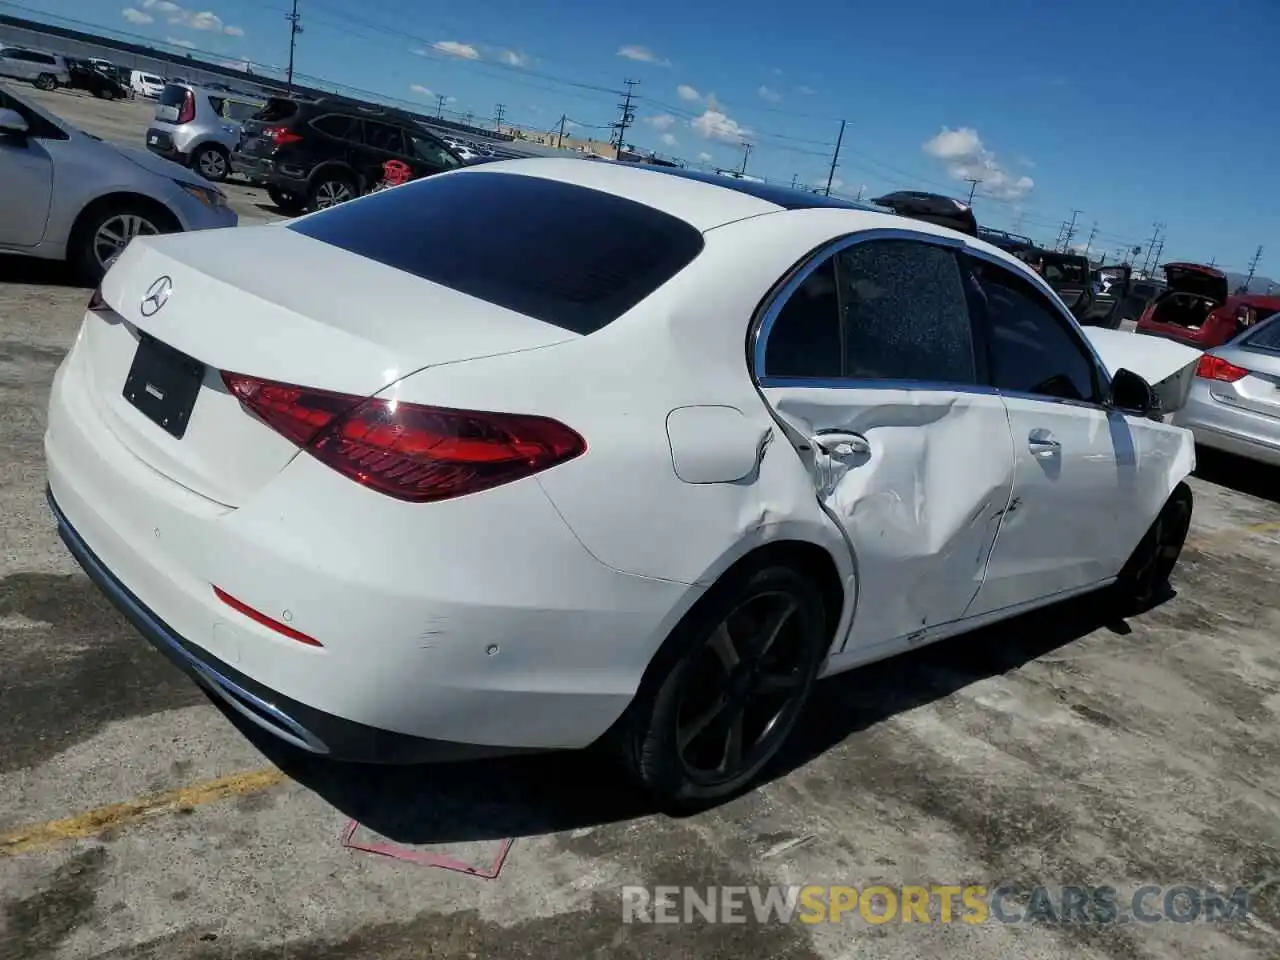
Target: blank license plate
{"points": [[163, 383]]}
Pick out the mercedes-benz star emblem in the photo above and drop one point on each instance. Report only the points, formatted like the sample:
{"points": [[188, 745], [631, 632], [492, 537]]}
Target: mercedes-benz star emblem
{"points": [[157, 296]]}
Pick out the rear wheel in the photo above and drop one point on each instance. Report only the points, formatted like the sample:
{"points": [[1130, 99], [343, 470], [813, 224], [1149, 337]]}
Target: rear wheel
{"points": [[1147, 572], [286, 202], [46, 81], [727, 687], [211, 162], [331, 189]]}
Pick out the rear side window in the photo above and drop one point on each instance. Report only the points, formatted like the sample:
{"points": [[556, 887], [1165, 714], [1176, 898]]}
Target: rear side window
{"points": [[903, 314], [218, 105], [1265, 337], [239, 110], [336, 125], [384, 137], [563, 254]]}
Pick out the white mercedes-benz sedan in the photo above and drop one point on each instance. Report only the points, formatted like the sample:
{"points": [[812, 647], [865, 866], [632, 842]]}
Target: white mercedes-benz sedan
{"points": [[540, 452]]}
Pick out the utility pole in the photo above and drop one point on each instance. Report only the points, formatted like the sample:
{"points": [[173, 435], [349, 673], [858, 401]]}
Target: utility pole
{"points": [[746, 152], [835, 159], [1155, 235], [1155, 259], [1071, 230], [439, 105], [627, 118], [295, 28], [794, 178], [1062, 232], [1213, 261], [1253, 267], [1089, 243], [973, 185], [498, 112], [560, 138]]}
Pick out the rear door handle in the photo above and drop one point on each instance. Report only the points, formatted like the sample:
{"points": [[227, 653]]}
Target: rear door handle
{"points": [[842, 445], [1043, 444]]}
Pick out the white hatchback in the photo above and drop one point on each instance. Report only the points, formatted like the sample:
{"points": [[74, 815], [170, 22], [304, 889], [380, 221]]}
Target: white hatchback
{"points": [[544, 451]]}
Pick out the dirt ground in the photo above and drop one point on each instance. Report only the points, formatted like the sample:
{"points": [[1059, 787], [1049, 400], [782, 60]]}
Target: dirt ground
{"points": [[137, 822]]}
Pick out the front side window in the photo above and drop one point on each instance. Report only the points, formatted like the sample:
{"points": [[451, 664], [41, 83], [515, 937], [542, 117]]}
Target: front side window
{"points": [[1033, 348], [903, 314]]}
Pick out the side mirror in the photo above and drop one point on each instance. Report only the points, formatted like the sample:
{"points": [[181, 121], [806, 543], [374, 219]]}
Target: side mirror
{"points": [[1131, 394], [12, 123]]}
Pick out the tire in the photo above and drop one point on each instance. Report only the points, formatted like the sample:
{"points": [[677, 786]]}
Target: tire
{"points": [[46, 81], [1146, 573], [212, 162], [287, 203], [89, 248], [689, 694], [330, 189]]}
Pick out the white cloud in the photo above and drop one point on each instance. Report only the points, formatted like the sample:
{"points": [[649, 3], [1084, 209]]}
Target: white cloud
{"points": [[185, 44], [133, 15], [513, 59], [420, 89], [777, 71], [967, 158], [450, 99], [717, 125], [233, 31], [704, 157], [669, 139], [642, 54], [179, 16], [805, 91], [453, 48], [766, 94], [686, 92], [663, 121]]}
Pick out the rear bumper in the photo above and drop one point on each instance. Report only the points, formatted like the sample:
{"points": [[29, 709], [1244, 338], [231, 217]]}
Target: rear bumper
{"points": [[1228, 428], [306, 728], [475, 627], [264, 170]]}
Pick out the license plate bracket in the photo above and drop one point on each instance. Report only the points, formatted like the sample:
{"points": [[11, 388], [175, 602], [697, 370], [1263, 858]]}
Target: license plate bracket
{"points": [[163, 384]]}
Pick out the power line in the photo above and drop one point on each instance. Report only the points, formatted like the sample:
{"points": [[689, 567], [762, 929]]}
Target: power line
{"points": [[295, 28], [1253, 267]]}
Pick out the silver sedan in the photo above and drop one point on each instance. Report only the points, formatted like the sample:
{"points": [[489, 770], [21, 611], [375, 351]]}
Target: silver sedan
{"points": [[67, 195], [1234, 404]]}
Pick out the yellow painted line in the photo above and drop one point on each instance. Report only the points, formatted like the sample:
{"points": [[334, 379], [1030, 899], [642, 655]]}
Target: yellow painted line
{"points": [[93, 822]]}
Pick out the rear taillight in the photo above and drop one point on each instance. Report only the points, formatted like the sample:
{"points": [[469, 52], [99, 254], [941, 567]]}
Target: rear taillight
{"points": [[281, 135], [188, 111], [409, 451], [1215, 368]]}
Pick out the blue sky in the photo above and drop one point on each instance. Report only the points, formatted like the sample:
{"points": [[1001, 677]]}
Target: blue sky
{"points": [[1129, 112]]}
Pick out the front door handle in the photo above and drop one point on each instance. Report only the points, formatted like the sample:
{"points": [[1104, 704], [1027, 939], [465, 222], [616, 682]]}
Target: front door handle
{"points": [[842, 445], [1043, 444]]}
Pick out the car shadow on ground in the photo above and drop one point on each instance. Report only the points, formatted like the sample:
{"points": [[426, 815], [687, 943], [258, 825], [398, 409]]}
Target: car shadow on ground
{"points": [[1237, 473], [34, 271], [548, 793]]}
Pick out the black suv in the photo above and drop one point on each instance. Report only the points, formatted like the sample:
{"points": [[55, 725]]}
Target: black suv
{"points": [[312, 154]]}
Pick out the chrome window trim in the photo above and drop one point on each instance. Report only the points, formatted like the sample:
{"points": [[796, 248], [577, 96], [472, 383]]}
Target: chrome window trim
{"points": [[764, 326]]}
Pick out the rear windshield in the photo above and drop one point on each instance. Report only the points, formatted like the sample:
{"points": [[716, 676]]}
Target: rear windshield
{"points": [[238, 110], [173, 96], [1265, 337], [567, 255], [276, 111]]}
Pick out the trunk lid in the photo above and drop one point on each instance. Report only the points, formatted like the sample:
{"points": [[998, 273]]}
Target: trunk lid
{"points": [[1198, 279], [246, 305], [1169, 367]]}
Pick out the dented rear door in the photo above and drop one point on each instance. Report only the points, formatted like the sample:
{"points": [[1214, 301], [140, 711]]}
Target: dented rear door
{"points": [[909, 455]]}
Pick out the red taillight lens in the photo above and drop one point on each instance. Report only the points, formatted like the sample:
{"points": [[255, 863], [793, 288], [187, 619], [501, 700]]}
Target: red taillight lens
{"points": [[188, 111], [409, 451], [1215, 368], [281, 135]]}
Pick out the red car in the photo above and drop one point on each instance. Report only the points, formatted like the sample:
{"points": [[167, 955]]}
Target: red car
{"points": [[1199, 310]]}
